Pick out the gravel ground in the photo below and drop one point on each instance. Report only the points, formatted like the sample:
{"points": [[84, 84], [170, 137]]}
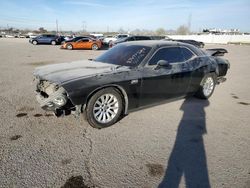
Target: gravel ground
{"points": [[187, 143]]}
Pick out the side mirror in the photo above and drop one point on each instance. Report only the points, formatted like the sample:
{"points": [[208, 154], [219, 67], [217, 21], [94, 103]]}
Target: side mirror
{"points": [[163, 64]]}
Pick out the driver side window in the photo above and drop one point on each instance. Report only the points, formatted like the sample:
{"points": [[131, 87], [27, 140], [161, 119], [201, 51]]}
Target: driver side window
{"points": [[170, 54], [83, 40], [131, 39]]}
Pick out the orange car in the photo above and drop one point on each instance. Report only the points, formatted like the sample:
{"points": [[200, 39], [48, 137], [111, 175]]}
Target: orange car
{"points": [[83, 43]]}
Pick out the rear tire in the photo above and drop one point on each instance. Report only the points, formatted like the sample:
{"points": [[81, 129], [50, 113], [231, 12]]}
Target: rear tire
{"points": [[207, 86], [95, 47], [104, 108], [53, 42]]}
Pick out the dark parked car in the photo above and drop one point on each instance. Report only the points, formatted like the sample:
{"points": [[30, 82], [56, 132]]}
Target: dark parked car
{"points": [[47, 39], [77, 38], [127, 39], [193, 42], [129, 76]]}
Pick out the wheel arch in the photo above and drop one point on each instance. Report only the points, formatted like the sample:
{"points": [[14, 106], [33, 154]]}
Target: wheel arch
{"points": [[94, 43], [119, 88]]}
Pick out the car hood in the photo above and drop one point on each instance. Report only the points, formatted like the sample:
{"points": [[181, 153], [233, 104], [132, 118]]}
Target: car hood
{"points": [[65, 72]]}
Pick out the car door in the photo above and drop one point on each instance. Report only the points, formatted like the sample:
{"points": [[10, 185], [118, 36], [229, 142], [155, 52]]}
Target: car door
{"points": [[188, 67], [142, 38], [42, 39], [82, 43], [47, 39], [162, 83], [130, 39]]}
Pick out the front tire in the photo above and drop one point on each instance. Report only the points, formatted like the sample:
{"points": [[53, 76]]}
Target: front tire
{"points": [[207, 86], [34, 42], [69, 47], [104, 108]]}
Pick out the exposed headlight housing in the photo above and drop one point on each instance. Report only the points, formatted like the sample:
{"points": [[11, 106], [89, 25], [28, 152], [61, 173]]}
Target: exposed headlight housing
{"points": [[50, 104], [60, 101], [50, 95]]}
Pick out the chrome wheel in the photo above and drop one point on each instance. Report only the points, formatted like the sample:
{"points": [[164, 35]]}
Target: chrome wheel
{"points": [[94, 47], [53, 42], [34, 42], [105, 108], [208, 86]]}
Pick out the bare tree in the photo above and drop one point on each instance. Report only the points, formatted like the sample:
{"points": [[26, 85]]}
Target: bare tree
{"points": [[121, 30], [182, 30], [160, 31], [42, 30], [136, 32]]}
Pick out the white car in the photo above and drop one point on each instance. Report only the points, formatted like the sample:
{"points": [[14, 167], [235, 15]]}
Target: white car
{"points": [[110, 39], [9, 36]]}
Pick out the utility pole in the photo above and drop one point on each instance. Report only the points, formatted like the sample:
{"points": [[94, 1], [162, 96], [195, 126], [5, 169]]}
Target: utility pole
{"points": [[56, 26], [189, 22], [83, 26]]}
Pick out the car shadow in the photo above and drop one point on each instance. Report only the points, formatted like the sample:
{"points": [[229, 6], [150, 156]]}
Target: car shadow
{"points": [[188, 157]]}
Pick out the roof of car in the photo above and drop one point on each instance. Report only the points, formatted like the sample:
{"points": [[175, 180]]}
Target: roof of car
{"points": [[160, 43]]}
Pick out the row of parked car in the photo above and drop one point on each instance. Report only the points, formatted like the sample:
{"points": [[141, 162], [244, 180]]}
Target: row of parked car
{"points": [[96, 43], [136, 38]]}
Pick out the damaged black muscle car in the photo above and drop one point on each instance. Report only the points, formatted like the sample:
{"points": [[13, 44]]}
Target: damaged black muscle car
{"points": [[127, 77]]}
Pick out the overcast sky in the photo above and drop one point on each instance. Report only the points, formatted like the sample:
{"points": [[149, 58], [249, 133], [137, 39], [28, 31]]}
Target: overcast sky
{"points": [[98, 15]]}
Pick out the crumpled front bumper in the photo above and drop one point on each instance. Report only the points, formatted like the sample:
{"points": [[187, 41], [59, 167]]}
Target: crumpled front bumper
{"points": [[221, 79], [48, 103]]}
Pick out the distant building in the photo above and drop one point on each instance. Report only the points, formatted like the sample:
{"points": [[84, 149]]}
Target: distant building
{"points": [[222, 31]]}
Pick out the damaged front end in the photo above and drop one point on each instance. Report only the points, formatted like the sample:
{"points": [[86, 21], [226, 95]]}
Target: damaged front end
{"points": [[53, 97]]}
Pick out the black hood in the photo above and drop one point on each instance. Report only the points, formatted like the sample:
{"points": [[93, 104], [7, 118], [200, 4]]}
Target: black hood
{"points": [[64, 72]]}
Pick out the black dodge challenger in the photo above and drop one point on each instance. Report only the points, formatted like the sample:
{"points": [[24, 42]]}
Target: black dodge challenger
{"points": [[127, 77]]}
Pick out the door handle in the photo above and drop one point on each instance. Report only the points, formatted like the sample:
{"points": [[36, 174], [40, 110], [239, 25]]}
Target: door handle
{"points": [[134, 82]]}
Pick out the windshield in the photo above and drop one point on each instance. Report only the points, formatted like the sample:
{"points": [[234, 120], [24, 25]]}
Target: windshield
{"points": [[125, 55]]}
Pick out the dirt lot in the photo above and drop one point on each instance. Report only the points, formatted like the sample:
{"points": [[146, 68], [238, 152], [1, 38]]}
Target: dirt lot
{"points": [[190, 142]]}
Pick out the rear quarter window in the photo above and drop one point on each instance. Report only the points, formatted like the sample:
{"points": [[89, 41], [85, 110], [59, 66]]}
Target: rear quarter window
{"points": [[187, 54]]}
